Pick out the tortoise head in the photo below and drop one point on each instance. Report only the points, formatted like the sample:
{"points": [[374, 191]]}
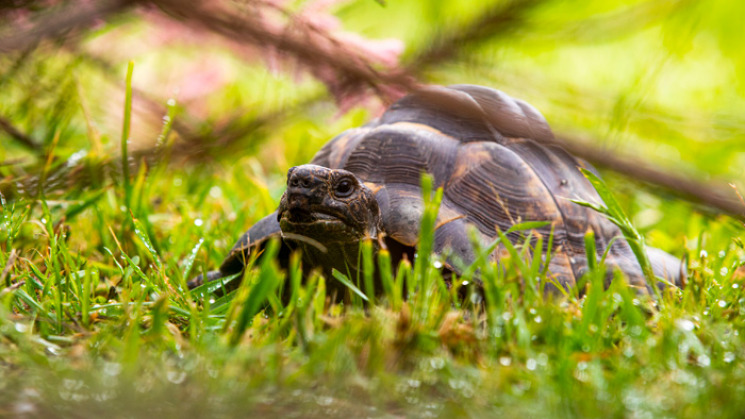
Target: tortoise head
{"points": [[327, 206]]}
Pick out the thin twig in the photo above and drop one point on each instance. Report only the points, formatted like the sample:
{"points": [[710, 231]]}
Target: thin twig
{"points": [[8, 266], [19, 136], [500, 19], [57, 24]]}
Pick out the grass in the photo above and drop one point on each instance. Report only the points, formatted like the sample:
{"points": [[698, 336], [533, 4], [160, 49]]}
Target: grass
{"points": [[95, 318]]}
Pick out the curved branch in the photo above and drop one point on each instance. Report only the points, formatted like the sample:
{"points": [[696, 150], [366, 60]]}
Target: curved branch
{"points": [[707, 193]]}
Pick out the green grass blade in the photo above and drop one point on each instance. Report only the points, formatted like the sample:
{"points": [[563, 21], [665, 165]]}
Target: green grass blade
{"points": [[189, 262], [368, 269], [347, 283], [257, 293], [616, 215], [528, 225], [126, 125]]}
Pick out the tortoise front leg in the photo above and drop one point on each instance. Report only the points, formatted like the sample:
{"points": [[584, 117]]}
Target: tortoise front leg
{"points": [[253, 240]]}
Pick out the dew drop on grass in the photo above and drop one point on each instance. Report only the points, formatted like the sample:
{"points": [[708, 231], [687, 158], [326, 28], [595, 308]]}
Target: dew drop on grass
{"points": [[437, 363], [171, 102], [176, 377], [21, 327], [414, 383], [735, 286], [43, 220], [505, 361], [703, 360], [104, 395], [580, 373], [466, 392], [538, 319], [76, 157], [24, 409], [112, 368], [456, 384], [72, 384], [628, 352], [437, 264], [684, 325], [729, 357], [722, 303], [542, 360], [324, 400], [531, 364], [198, 222], [684, 347], [215, 191], [703, 254], [723, 271]]}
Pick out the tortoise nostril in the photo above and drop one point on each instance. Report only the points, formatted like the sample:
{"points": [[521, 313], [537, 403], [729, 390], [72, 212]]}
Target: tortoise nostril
{"points": [[300, 180]]}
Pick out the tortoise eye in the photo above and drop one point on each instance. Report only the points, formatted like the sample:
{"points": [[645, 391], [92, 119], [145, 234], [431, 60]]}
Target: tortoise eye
{"points": [[344, 188]]}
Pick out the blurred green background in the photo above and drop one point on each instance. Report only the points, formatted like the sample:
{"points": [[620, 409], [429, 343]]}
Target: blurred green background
{"points": [[654, 80]]}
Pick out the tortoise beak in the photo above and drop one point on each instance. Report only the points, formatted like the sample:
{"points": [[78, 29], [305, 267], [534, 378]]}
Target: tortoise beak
{"points": [[299, 215], [302, 205]]}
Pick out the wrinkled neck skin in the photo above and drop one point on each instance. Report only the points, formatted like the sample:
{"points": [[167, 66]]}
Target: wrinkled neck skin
{"points": [[343, 256]]}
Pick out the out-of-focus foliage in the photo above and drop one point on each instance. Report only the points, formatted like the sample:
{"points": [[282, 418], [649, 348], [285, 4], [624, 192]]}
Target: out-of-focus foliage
{"points": [[94, 316]]}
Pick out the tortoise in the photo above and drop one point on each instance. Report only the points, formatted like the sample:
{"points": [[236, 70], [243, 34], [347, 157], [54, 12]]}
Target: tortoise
{"points": [[485, 149]]}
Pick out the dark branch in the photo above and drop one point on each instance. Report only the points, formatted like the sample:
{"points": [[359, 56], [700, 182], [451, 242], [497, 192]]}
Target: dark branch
{"points": [[709, 194], [312, 48]]}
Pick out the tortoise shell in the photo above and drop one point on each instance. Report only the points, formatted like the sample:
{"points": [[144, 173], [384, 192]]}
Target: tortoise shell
{"points": [[488, 152]]}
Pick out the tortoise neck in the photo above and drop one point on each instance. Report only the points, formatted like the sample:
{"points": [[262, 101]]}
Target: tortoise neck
{"points": [[344, 257]]}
